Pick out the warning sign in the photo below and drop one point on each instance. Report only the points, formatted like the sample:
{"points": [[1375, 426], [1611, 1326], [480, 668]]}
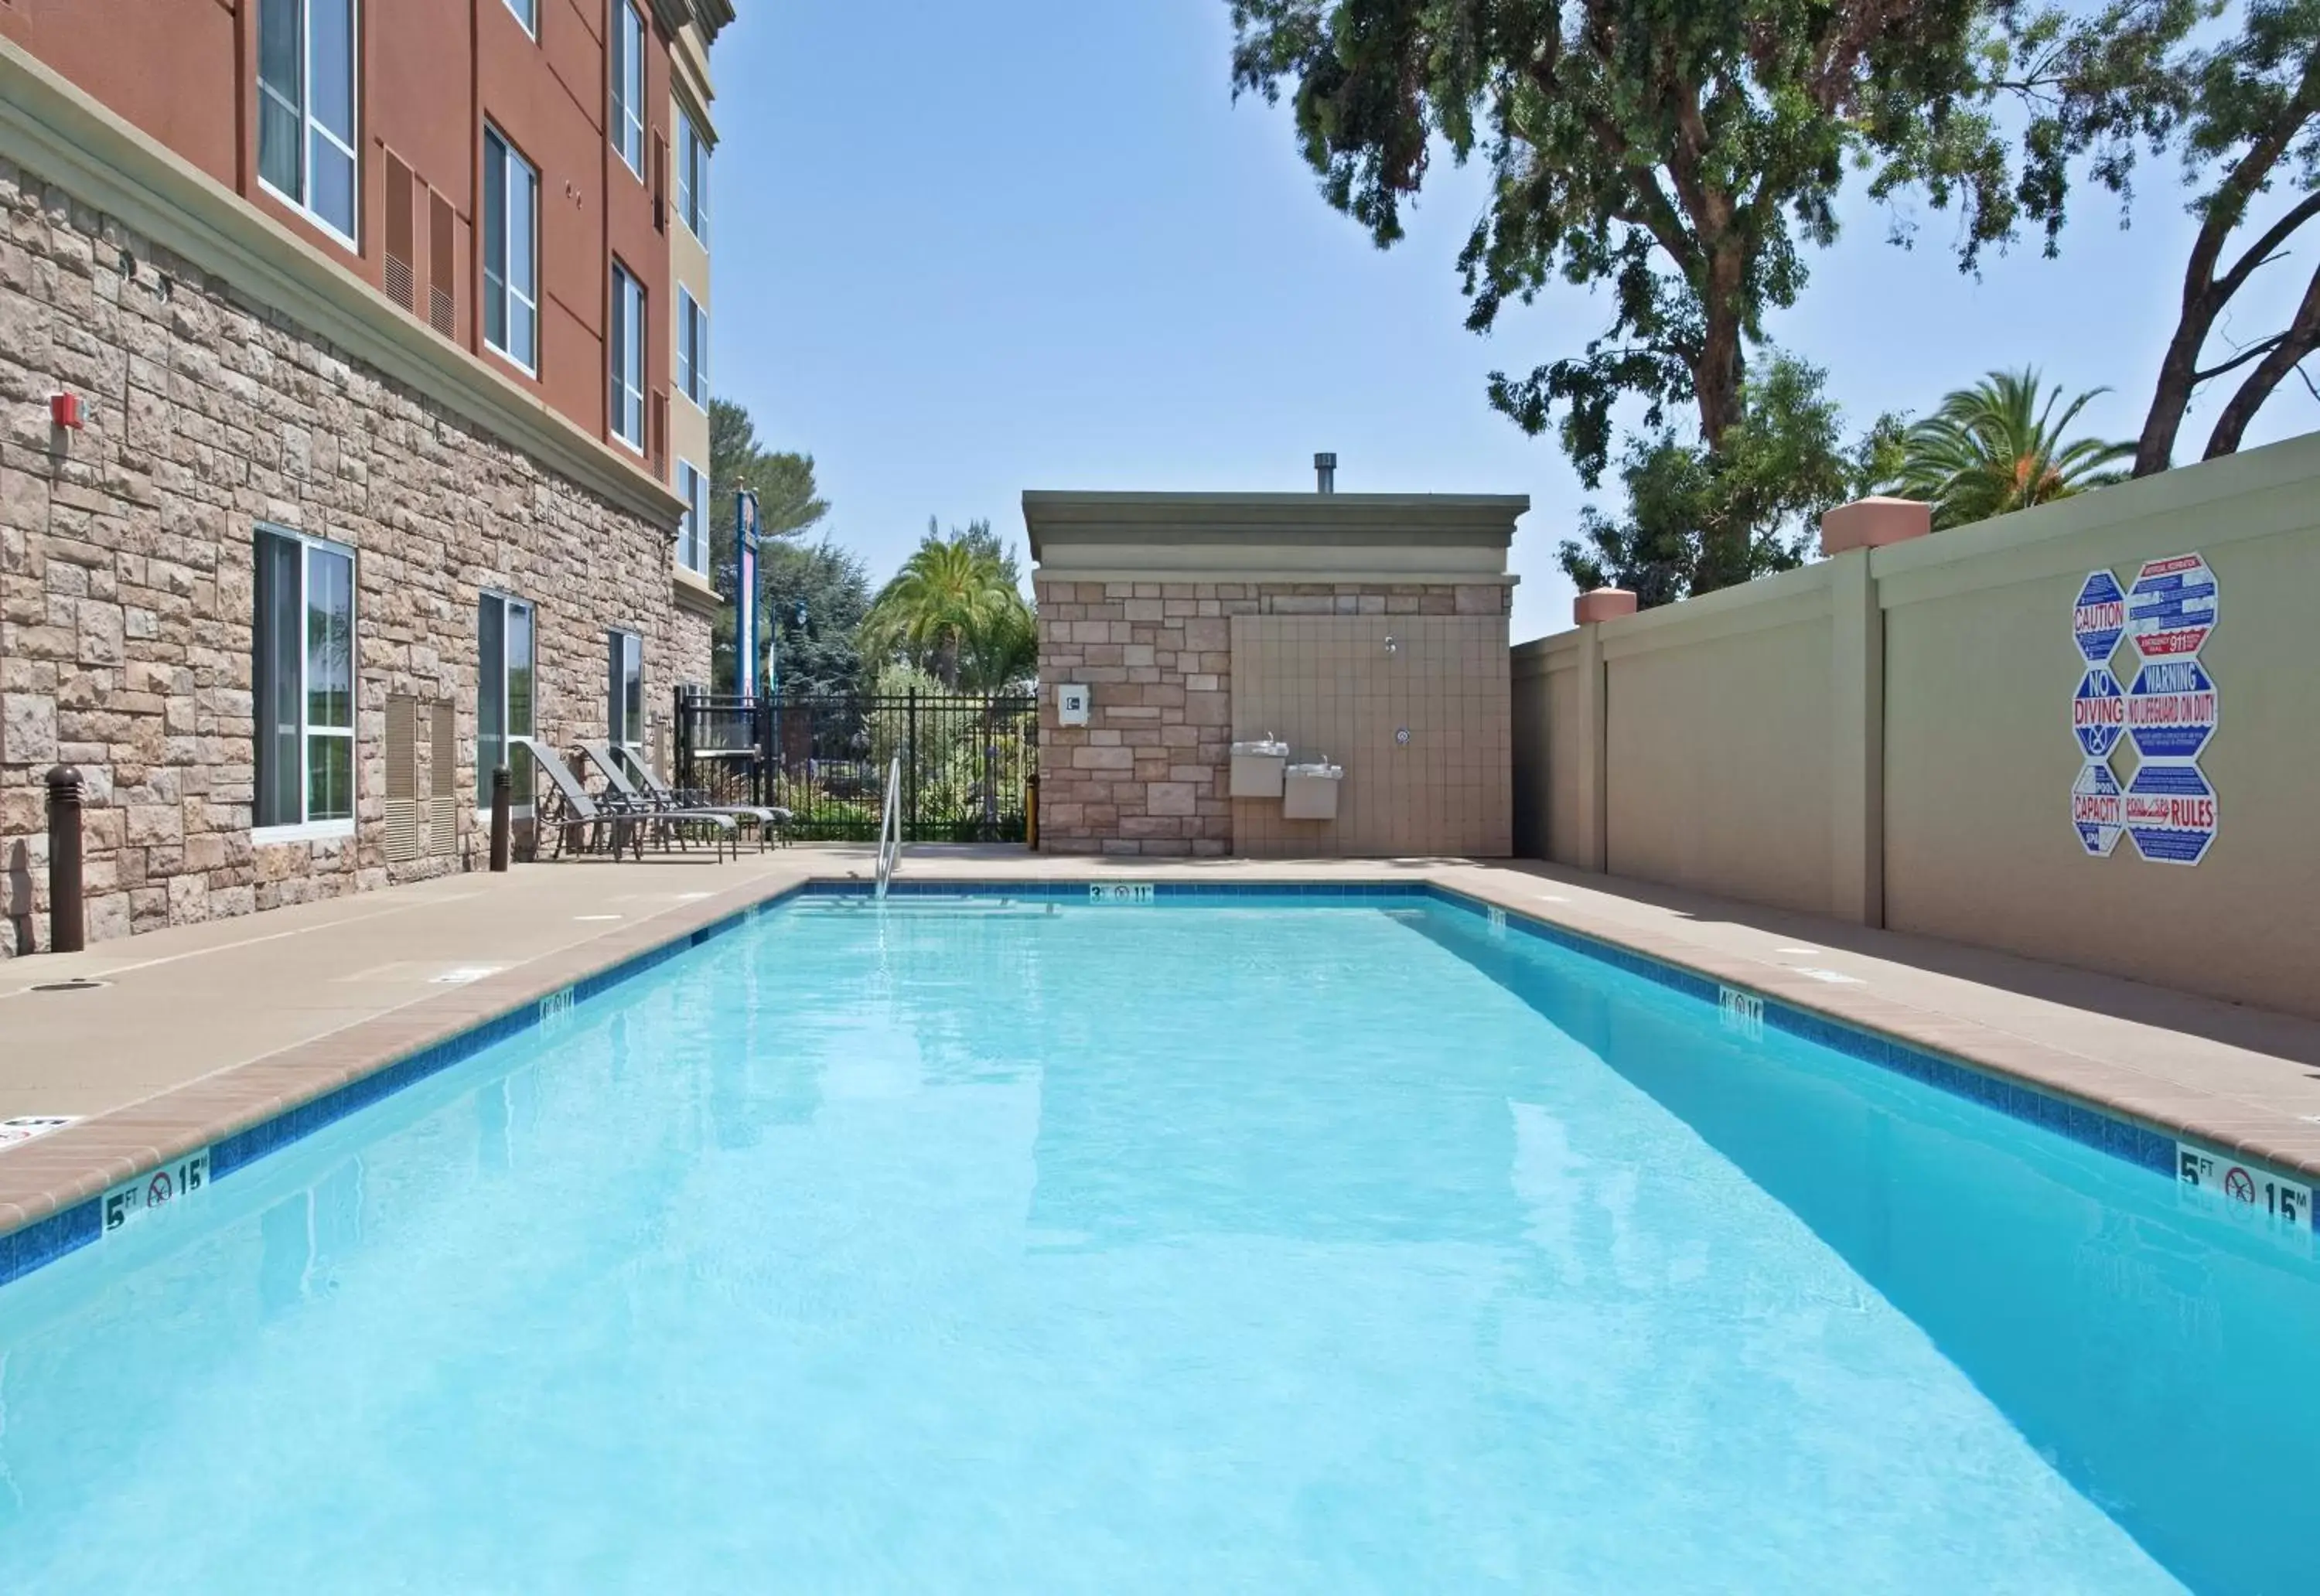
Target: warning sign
{"points": [[26, 1127], [2245, 1191], [2098, 617], [2098, 809], [2171, 813], [2098, 713], [2170, 608], [2170, 709]]}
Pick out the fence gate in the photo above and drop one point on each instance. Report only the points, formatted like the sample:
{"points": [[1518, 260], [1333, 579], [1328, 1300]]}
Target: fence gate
{"points": [[967, 760]]}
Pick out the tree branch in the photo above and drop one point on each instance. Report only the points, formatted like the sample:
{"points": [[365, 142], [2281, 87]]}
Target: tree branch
{"points": [[2302, 335], [2264, 248], [2256, 351]]}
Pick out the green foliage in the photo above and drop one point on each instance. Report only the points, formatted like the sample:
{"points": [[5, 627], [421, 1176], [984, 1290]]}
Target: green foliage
{"points": [[1681, 156], [957, 611], [1701, 516], [1996, 447], [787, 504], [813, 601]]}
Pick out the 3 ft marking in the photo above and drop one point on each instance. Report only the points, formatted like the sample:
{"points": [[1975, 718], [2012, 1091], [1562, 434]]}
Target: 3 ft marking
{"points": [[2245, 1191], [1498, 921], [127, 1202], [1742, 1011], [554, 1003], [1120, 891]]}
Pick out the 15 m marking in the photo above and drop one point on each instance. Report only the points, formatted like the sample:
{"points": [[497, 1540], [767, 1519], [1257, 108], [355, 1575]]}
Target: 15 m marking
{"points": [[2247, 1193], [131, 1200]]}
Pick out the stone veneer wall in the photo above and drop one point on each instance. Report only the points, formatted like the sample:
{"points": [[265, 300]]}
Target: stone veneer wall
{"points": [[1147, 774], [126, 572]]}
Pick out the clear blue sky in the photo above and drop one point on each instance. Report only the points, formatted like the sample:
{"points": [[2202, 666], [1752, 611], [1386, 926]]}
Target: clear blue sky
{"points": [[961, 251]]}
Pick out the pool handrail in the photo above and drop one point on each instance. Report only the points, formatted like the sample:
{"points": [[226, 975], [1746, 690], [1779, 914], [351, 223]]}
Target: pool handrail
{"points": [[889, 827]]}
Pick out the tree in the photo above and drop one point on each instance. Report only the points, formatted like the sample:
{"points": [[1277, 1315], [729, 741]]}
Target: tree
{"points": [[1994, 448], [787, 505], [1761, 490], [955, 610], [1679, 154], [815, 598], [2246, 113]]}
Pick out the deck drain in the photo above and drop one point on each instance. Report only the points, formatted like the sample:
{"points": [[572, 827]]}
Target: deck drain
{"points": [[78, 984]]}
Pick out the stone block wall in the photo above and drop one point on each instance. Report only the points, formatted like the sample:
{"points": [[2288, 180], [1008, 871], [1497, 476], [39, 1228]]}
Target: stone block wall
{"points": [[126, 572], [1149, 774]]}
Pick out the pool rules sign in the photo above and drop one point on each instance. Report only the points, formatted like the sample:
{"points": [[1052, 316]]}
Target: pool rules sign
{"points": [[2166, 715]]}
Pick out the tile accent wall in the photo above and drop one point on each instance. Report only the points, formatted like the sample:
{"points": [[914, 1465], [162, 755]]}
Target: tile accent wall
{"points": [[1329, 686], [1147, 774]]}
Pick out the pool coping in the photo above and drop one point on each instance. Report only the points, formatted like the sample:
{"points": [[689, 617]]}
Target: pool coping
{"points": [[51, 1189]]}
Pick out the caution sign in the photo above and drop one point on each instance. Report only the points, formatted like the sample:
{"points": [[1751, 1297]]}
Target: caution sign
{"points": [[2170, 709], [2098, 713], [2170, 608], [2098, 809], [2171, 813], [2098, 617]]}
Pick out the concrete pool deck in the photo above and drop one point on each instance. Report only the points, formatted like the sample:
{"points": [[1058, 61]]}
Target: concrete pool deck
{"points": [[201, 1030]]}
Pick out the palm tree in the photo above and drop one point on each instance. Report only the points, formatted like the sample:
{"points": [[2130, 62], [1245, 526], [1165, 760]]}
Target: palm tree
{"points": [[1994, 448], [953, 608]]}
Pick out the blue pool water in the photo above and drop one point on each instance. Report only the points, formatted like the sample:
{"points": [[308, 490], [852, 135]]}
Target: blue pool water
{"points": [[1267, 1248]]}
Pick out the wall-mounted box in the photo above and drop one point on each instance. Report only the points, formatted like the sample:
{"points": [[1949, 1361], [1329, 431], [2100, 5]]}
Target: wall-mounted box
{"points": [[1309, 791], [1256, 768], [1072, 704]]}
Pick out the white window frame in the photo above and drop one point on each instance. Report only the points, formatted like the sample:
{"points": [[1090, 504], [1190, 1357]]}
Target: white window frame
{"points": [[692, 178], [691, 349], [617, 731], [626, 344], [693, 531], [519, 805], [510, 297], [306, 830], [308, 126], [624, 65], [527, 15]]}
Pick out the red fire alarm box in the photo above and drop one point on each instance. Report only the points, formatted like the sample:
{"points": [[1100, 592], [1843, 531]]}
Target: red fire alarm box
{"points": [[64, 410]]}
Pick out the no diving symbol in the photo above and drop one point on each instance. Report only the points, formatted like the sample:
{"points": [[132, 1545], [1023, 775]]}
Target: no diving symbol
{"points": [[2238, 1185], [160, 1191]]}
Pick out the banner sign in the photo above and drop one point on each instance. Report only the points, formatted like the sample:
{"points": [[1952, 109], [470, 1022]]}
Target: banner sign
{"points": [[2170, 608], [2170, 709], [745, 594], [2098, 713], [2099, 617], [2098, 809], [2171, 813]]}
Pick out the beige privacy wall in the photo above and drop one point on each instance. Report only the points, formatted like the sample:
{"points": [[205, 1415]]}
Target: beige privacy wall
{"points": [[1414, 708], [1887, 736]]}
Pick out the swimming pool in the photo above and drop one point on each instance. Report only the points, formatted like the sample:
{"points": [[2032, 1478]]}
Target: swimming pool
{"points": [[1256, 1244]]}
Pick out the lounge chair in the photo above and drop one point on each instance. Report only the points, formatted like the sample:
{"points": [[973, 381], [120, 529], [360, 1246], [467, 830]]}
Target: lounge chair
{"points": [[647, 782], [636, 791], [622, 825]]}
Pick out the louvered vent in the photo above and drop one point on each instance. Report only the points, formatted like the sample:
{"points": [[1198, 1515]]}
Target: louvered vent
{"points": [[402, 818], [445, 804], [398, 270], [442, 304]]}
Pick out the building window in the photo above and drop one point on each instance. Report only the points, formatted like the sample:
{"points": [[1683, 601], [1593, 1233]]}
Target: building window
{"points": [[504, 695], [692, 177], [302, 658], [624, 700], [626, 62], [510, 252], [627, 342], [527, 12], [691, 349], [306, 108], [693, 532]]}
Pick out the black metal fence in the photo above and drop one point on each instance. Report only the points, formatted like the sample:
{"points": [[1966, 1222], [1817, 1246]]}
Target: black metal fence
{"points": [[967, 761]]}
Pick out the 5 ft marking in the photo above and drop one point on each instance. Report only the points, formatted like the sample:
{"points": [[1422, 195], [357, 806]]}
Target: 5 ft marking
{"points": [[172, 1183]]}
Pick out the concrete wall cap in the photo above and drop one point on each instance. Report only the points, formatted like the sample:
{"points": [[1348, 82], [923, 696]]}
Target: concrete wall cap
{"points": [[1603, 604], [1874, 523]]}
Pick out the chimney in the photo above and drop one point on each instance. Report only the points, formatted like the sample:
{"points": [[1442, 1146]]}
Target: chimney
{"points": [[1325, 473]]}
